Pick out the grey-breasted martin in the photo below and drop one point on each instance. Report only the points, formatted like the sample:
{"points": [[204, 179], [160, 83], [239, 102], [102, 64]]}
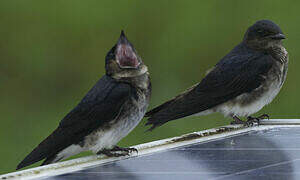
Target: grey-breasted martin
{"points": [[240, 84], [107, 113]]}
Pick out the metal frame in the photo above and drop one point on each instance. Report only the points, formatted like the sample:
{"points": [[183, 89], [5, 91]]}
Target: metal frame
{"points": [[148, 148]]}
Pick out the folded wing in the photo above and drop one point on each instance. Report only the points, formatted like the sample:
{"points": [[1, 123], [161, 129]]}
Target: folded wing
{"points": [[230, 78], [101, 104]]}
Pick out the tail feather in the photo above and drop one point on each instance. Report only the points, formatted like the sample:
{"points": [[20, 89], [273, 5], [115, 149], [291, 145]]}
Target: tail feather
{"points": [[32, 158], [176, 108], [50, 160], [46, 149], [154, 118], [158, 108]]}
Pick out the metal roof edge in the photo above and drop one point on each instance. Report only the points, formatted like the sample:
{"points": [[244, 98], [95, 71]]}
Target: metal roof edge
{"points": [[144, 149]]}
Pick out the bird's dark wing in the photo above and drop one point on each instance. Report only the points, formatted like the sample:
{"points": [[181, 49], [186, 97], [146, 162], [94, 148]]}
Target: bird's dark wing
{"points": [[101, 104], [230, 78]]}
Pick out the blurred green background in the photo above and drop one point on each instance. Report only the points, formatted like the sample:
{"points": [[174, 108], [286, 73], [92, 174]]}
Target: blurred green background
{"points": [[52, 53]]}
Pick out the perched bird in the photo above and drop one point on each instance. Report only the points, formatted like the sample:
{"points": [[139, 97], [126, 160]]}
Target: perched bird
{"points": [[108, 112], [240, 84]]}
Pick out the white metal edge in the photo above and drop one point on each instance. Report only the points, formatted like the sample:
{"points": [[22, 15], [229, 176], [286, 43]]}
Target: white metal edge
{"points": [[280, 122], [144, 149]]}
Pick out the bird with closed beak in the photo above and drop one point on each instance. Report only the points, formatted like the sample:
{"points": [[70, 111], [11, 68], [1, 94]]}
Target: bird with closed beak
{"points": [[239, 85], [107, 113]]}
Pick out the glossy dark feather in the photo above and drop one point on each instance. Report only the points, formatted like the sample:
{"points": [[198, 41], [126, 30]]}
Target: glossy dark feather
{"points": [[101, 105], [241, 71]]}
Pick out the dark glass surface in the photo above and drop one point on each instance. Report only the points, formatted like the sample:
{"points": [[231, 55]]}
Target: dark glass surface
{"points": [[270, 154]]}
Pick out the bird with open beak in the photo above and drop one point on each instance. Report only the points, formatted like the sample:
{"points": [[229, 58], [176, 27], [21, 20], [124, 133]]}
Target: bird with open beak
{"points": [[108, 112], [240, 84]]}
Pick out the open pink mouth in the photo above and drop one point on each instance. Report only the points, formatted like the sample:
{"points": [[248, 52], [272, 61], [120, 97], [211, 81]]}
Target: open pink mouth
{"points": [[126, 57]]}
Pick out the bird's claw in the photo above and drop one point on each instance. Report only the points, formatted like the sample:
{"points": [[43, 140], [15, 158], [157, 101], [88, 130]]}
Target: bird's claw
{"points": [[239, 121], [264, 116], [110, 153], [128, 150], [117, 151], [133, 150], [251, 120]]}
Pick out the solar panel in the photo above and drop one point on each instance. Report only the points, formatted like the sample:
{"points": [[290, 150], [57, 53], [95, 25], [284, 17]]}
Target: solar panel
{"points": [[264, 152]]}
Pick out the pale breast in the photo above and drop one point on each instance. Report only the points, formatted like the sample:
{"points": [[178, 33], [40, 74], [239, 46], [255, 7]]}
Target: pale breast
{"points": [[250, 103], [130, 115]]}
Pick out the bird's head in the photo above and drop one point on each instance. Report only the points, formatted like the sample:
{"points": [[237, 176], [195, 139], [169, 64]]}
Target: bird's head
{"points": [[123, 61], [263, 34]]}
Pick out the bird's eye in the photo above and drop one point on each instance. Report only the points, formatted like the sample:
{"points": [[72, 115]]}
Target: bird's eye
{"points": [[263, 33], [260, 31]]}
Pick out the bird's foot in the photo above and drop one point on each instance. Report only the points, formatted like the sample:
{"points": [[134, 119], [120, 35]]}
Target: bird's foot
{"points": [[111, 153], [264, 116], [251, 120], [117, 151], [128, 150], [237, 120]]}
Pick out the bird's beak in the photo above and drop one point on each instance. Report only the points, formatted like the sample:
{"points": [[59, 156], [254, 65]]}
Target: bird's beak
{"points": [[278, 36], [125, 55]]}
